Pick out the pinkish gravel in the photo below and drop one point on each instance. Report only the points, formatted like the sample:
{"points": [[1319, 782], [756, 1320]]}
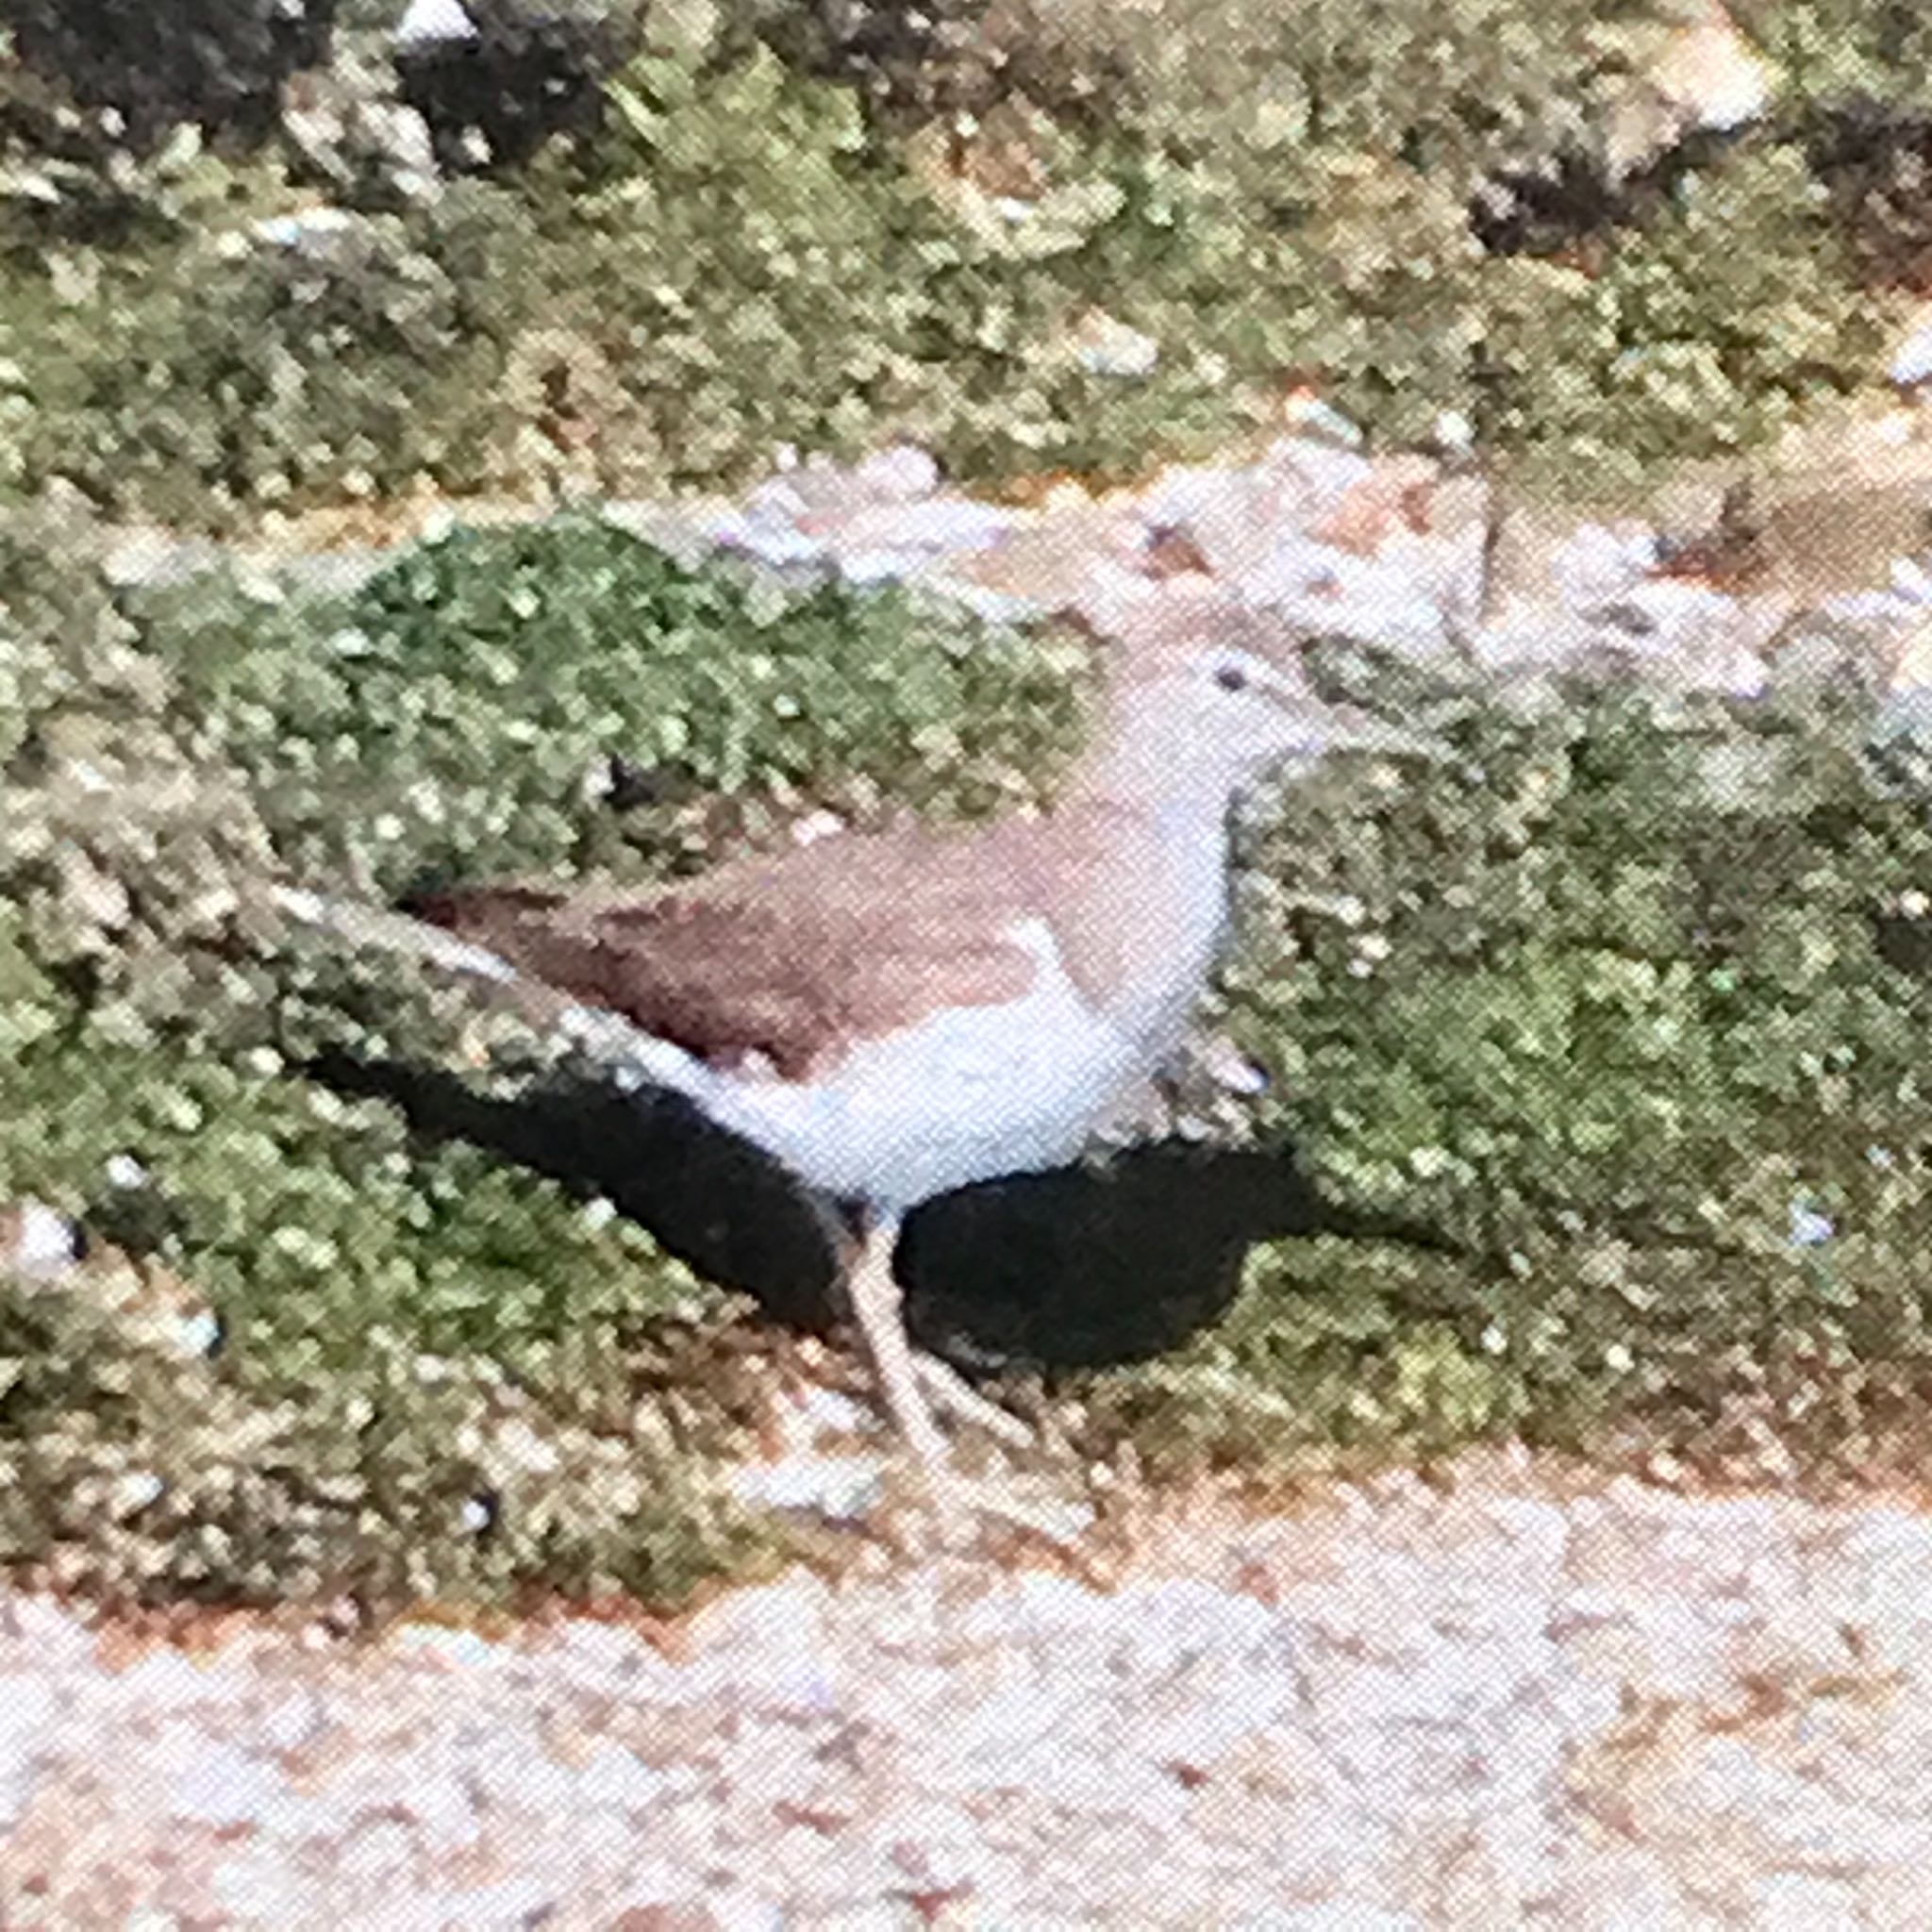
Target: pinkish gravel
{"points": [[1495, 1705]]}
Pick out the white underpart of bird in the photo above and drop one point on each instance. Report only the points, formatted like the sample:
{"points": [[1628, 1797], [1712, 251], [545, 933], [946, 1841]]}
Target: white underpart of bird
{"points": [[1092, 932]]}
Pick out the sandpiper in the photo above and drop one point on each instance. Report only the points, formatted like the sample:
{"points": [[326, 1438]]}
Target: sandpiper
{"points": [[896, 1014]]}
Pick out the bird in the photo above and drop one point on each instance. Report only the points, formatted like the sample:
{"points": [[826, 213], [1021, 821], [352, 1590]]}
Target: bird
{"points": [[893, 1014]]}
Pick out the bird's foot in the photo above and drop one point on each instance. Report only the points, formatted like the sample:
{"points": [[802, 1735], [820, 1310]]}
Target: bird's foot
{"points": [[961, 1504], [911, 1386], [959, 1508], [950, 1393]]}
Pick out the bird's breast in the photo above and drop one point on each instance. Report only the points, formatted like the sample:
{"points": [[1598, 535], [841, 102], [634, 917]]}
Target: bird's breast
{"points": [[966, 1093]]}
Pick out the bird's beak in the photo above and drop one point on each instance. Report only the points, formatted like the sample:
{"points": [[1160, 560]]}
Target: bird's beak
{"points": [[1353, 729], [1325, 727]]}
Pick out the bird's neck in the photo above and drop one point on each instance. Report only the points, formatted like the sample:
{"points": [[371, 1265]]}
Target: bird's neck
{"points": [[1139, 772], [1167, 836]]}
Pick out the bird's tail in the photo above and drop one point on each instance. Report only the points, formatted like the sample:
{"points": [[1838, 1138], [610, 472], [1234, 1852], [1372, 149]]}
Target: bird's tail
{"points": [[633, 1056], [392, 932]]}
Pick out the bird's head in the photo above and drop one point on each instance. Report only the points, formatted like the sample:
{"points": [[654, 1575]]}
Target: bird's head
{"points": [[1217, 714]]}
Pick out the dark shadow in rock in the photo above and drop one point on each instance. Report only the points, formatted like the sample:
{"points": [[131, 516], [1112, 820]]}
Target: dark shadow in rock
{"points": [[1872, 157], [218, 63], [529, 70], [1568, 204], [1076, 1268]]}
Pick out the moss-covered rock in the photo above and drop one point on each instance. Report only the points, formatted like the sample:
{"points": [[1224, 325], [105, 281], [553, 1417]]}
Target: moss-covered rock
{"points": [[465, 709], [1707, 332], [1835, 51], [742, 253], [242, 370], [334, 1363]]}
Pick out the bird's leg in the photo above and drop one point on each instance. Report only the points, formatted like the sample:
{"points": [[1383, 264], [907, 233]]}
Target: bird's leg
{"points": [[879, 1308], [955, 1501], [941, 1386], [906, 1379]]}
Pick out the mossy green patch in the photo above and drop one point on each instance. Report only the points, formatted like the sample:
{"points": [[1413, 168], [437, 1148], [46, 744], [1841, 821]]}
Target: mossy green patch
{"points": [[465, 708], [1707, 332], [751, 255], [337, 1364]]}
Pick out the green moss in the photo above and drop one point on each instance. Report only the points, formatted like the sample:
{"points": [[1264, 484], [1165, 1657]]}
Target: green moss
{"points": [[403, 1336], [463, 708], [1706, 331], [1835, 51], [749, 256], [226, 375]]}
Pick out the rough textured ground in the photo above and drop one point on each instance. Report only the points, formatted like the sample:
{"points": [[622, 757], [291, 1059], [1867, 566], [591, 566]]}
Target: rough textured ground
{"points": [[1502, 1702]]}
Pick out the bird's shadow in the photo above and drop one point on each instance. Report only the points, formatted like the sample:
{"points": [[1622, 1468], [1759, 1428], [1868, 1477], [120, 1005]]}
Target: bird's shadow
{"points": [[1080, 1267]]}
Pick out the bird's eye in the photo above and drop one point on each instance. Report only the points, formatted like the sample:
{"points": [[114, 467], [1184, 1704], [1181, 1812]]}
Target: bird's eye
{"points": [[1231, 677]]}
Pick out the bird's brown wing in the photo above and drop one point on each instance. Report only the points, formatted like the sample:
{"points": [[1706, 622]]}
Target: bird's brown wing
{"points": [[787, 960]]}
